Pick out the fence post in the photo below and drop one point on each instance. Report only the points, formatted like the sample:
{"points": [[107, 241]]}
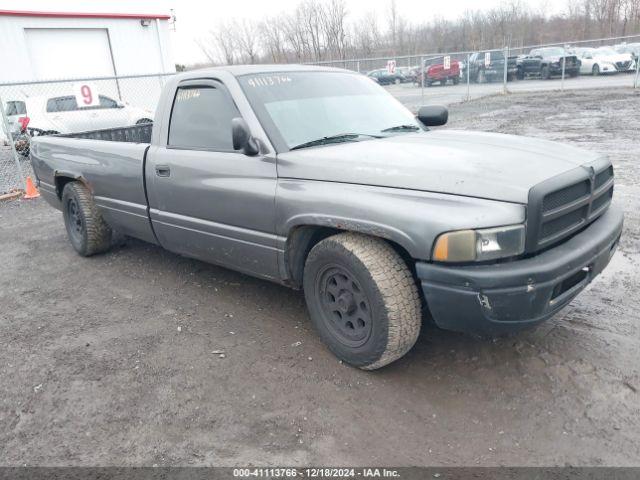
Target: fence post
{"points": [[468, 78], [358, 65], [635, 80], [422, 79], [564, 61], [5, 123], [505, 55]]}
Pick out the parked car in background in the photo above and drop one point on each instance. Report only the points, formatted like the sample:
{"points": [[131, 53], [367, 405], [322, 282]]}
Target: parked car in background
{"points": [[383, 77], [632, 48], [407, 74], [435, 72], [488, 66], [61, 114], [596, 61], [546, 63]]}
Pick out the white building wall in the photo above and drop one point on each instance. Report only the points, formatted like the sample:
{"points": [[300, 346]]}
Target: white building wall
{"points": [[136, 49]]}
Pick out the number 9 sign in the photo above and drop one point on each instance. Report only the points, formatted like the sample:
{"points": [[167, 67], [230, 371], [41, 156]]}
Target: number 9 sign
{"points": [[86, 95]]}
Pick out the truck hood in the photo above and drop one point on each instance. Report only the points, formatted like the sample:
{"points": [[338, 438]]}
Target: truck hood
{"points": [[475, 164]]}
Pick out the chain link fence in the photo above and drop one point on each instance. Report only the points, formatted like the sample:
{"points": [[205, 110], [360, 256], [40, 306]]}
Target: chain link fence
{"points": [[65, 106], [472, 74]]}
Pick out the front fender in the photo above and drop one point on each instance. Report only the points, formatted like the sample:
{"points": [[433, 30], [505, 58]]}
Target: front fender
{"points": [[410, 218]]}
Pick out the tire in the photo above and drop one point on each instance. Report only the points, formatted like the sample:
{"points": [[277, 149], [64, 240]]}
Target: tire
{"points": [[87, 231], [456, 80], [595, 71], [362, 299], [397, 81], [545, 73], [482, 78], [520, 73]]}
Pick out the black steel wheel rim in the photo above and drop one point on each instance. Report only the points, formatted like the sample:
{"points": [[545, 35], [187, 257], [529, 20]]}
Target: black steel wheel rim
{"points": [[75, 225], [346, 310]]}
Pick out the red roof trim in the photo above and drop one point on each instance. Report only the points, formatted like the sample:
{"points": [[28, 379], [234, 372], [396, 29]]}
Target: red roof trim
{"points": [[20, 13]]}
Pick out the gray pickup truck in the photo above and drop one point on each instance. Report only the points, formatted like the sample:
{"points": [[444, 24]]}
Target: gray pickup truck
{"points": [[317, 178]]}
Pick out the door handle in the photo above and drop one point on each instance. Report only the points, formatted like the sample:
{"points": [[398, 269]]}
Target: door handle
{"points": [[163, 171]]}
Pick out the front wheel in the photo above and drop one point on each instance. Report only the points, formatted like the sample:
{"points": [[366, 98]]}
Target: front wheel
{"points": [[87, 231], [595, 71], [362, 299]]}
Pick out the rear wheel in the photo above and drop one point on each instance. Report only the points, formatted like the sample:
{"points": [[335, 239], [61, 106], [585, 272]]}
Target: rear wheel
{"points": [[362, 299], [87, 231], [397, 81], [482, 78], [456, 80]]}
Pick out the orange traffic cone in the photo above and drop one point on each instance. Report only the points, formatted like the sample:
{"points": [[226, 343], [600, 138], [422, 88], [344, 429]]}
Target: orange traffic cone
{"points": [[32, 191]]}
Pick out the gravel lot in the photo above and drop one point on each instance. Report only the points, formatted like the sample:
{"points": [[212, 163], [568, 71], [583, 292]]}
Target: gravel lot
{"points": [[109, 360]]}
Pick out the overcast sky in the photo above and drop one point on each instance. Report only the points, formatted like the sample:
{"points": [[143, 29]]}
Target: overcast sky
{"points": [[196, 17]]}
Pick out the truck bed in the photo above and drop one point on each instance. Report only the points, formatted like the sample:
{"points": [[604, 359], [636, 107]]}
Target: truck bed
{"points": [[134, 134]]}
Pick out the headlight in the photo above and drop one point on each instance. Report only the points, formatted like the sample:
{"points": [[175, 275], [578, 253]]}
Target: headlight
{"points": [[480, 245]]}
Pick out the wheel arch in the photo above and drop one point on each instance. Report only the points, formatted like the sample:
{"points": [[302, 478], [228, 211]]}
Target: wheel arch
{"points": [[62, 178], [303, 236]]}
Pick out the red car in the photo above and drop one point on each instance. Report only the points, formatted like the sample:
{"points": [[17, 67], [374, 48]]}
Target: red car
{"points": [[435, 72]]}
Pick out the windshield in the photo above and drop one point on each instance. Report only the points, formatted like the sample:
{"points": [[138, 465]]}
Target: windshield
{"points": [[300, 107], [605, 51], [552, 52]]}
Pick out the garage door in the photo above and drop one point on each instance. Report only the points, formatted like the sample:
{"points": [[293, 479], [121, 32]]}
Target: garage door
{"points": [[69, 52]]}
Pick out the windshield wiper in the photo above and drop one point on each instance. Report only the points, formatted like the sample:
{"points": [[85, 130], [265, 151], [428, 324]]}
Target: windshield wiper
{"points": [[401, 128], [341, 137]]}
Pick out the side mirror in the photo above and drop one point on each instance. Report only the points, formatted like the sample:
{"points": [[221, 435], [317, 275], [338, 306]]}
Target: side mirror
{"points": [[241, 137], [433, 115]]}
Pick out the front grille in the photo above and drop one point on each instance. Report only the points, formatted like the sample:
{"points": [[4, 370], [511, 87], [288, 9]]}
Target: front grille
{"points": [[623, 65], [566, 195], [603, 177], [565, 204], [570, 220]]}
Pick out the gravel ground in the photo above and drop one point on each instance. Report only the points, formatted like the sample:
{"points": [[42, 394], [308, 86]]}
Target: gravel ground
{"points": [[109, 360]]}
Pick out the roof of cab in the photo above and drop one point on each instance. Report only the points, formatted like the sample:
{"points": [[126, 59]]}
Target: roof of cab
{"points": [[238, 70]]}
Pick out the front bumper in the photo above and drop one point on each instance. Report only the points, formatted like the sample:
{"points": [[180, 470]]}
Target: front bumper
{"points": [[507, 297]]}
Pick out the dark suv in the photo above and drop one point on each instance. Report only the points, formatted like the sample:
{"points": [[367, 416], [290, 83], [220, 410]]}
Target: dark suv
{"points": [[489, 67], [547, 62]]}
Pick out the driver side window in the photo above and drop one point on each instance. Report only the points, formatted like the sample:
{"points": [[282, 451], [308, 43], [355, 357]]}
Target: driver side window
{"points": [[201, 119]]}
